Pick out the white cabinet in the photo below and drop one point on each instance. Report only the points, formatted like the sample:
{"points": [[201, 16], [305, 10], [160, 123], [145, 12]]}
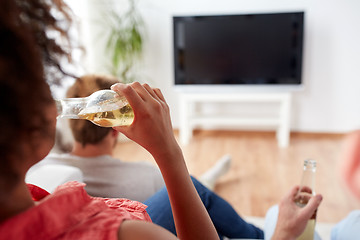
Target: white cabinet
{"points": [[189, 117]]}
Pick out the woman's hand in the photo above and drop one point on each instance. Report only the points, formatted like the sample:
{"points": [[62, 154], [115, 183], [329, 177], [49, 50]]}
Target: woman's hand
{"points": [[152, 127], [292, 219]]}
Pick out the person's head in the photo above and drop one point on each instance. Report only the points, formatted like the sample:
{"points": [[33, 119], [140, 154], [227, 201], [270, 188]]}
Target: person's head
{"points": [[84, 131], [28, 55], [350, 163]]}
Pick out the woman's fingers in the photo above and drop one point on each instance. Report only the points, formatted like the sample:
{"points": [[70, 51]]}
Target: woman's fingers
{"points": [[151, 91], [128, 92], [159, 94], [142, 91]]}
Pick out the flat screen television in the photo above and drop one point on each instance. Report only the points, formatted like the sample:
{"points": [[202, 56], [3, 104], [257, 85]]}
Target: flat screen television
{"points": [[263, 49]]}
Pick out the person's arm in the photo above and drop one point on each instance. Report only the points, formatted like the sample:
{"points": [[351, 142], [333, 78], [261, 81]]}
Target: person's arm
{"points": [[140, 230], [292, 219], [152, 129]]}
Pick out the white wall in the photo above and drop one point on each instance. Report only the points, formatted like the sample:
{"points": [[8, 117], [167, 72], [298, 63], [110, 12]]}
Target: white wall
{"points": [[330, 101]]}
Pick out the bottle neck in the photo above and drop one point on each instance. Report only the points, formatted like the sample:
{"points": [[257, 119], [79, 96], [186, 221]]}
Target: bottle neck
{"points": [[70, 107], [308, 176]]}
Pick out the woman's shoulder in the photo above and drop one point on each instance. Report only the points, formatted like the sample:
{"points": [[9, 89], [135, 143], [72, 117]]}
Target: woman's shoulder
{"points": [[137, 230]]}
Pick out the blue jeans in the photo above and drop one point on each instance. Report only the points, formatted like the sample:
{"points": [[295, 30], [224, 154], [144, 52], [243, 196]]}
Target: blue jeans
{"points": [[226, 221]]}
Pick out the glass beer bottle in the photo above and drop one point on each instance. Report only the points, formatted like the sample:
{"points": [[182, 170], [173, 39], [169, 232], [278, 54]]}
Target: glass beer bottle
{"points": [[306, 191], [104, 108]]}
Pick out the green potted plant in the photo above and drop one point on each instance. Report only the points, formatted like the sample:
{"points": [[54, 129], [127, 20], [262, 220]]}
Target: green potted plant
{"points": [[124, 43]]}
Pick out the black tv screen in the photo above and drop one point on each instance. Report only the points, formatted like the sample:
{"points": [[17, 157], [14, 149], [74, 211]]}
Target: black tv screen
{"points": [[246, 49]]}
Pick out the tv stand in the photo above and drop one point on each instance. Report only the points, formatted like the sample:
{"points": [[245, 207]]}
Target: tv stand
{"points": [[189, 118]]}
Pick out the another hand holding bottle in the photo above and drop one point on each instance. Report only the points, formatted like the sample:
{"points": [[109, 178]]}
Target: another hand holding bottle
{"points": [[297, 211], [292, 219]]}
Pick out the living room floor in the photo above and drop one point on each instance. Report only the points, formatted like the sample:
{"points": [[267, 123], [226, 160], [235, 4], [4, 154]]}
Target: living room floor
{"points": [[261, 172]]}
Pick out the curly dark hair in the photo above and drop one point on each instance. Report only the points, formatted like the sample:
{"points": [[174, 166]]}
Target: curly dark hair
{"points": [[28, 55]]}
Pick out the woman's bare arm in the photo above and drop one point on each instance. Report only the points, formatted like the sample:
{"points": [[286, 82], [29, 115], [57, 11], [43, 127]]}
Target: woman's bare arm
{"points": [[152, 129], [136, 230]]}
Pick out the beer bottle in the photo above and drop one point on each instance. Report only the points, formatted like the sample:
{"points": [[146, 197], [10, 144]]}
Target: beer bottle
{"points": [[105, 108], [306, 191]]}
